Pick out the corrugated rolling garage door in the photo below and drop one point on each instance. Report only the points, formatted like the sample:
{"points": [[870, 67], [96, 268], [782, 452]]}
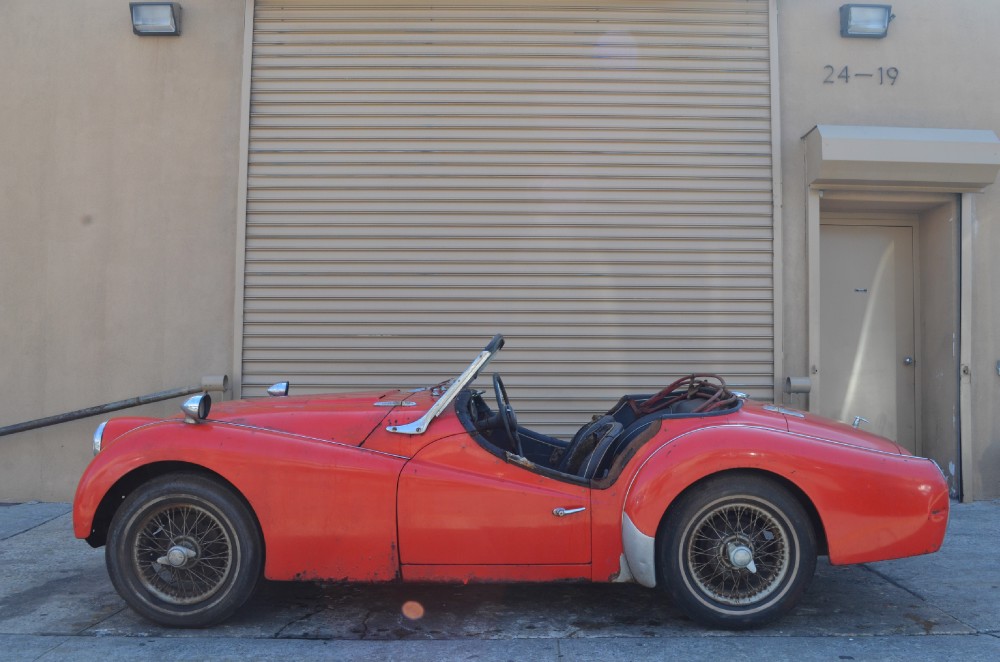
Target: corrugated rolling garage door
{"points": [[593, 180]]}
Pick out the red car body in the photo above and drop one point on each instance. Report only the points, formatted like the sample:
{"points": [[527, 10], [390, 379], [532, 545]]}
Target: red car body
{"points": [[337, 494]]}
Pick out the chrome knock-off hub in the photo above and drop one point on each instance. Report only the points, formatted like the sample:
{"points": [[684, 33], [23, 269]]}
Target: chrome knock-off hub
{"points": [[741, 557], [177, 556]]}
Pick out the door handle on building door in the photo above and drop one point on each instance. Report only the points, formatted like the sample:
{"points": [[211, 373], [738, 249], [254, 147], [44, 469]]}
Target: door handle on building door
{"points": [[908, 361]]}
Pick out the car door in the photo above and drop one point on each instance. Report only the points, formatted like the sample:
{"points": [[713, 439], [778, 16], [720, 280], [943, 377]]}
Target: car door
{"points": [[460, 505]]}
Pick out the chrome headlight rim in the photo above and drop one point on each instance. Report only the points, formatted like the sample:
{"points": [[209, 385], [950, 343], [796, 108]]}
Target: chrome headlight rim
{"points": [[99, 437]]}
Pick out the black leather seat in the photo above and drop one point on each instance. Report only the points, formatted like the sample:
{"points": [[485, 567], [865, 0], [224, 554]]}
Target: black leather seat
{"points": [[597, 434]]}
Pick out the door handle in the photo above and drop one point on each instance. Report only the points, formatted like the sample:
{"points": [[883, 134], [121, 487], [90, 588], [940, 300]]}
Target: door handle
{"points": [[908, 360], [563, 512]]}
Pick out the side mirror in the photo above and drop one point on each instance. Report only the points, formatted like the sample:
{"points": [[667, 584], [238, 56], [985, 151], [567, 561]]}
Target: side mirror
{"points": [[196, 408], [278, 390]]}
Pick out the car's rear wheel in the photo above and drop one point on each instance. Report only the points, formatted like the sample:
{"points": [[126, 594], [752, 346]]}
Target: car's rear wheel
{"points": [[184, 550], [737, 551]]}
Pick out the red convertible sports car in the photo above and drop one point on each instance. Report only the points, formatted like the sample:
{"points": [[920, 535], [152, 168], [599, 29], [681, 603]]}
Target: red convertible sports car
{"points": [[722, 501]]}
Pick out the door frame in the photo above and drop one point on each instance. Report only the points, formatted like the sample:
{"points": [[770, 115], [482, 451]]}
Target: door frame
{"points": [[911, 200], [890, 164], [888, 219]]}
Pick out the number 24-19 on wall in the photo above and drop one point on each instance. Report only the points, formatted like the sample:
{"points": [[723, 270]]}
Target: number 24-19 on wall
{"points": [[885, 75]]}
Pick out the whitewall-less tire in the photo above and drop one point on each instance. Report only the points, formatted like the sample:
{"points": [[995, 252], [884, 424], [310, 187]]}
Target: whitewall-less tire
{"points": [[737, 551], [184, 550]]}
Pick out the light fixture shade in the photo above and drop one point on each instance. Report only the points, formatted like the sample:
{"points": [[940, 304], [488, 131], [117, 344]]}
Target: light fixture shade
{"points": [[156, 18], [871, 21]]}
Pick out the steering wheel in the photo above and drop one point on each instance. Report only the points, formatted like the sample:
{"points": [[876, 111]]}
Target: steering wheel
{"points": [[506, 413]]}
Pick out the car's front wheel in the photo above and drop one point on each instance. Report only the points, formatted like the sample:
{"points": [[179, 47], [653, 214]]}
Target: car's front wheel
{"points": [[184, 550], [737, 551]]}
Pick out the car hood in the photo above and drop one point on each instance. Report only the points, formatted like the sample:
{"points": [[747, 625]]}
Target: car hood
{"points": [[345, 418]]}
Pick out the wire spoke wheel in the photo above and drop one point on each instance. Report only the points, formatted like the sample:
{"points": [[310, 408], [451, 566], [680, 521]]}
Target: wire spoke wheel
{"points": [[737, 551], [726, 531], [184, 550], [183, 554]]}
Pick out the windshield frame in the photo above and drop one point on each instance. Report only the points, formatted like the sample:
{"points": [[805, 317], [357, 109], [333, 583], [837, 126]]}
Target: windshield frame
{"points": [[420, 425]]}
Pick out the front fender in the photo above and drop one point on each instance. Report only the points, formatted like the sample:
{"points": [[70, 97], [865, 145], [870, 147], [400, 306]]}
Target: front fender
{"points": [[872, 505], [326, 510]]}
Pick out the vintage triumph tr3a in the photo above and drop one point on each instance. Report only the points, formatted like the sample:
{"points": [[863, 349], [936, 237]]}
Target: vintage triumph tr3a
{"points": [[721, 501]]}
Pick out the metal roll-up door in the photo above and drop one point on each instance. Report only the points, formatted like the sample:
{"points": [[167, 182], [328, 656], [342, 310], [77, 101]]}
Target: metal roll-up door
{"points": [[592, 181]]}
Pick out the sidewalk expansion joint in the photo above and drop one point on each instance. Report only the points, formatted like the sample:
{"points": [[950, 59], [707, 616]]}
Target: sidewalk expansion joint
{"points": [[32, 528], [96, 625], [975, 630], [893, 582]]}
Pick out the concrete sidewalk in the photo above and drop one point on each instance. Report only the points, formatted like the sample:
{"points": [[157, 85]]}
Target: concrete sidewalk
{"points": [[56, 602]]}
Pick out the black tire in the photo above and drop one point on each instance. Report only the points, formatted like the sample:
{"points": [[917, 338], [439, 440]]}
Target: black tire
{"points": [[184, 551], [737, 551]]}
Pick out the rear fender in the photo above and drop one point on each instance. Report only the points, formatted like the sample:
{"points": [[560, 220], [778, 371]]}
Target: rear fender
{"points": [[871, 505]]}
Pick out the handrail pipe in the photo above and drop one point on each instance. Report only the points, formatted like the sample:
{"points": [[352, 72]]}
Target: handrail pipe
{"points": [[210, 383]]}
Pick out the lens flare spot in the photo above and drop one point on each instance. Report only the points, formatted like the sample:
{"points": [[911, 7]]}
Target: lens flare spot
{"points": [[413, 610]]}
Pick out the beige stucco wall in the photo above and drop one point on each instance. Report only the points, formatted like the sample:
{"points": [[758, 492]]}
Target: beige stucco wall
{"points": [[119, 200], [946, 53], [118, 211]]}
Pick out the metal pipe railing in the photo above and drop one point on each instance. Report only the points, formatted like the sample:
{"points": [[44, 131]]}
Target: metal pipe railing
{"points": [[212, 383]]}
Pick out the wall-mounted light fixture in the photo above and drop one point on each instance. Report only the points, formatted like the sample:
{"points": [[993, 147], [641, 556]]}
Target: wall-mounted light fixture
{"points": [[155, 18], [871, 21]]}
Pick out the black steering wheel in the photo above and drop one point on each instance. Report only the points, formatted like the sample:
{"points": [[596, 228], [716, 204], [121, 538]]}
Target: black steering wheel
{"points": [[506, 413]]}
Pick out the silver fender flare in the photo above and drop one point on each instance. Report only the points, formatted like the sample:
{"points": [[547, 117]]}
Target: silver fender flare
{"points": [[640, 553]]}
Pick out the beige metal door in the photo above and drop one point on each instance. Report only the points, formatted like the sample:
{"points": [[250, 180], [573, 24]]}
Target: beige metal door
{"points": [[867, 328]]}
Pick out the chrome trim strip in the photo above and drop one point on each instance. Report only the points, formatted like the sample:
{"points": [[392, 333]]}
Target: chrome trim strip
{"points": [[167, 421], [149, 425], [640, 552], [135, 429], [308, 438], [835, 442]]}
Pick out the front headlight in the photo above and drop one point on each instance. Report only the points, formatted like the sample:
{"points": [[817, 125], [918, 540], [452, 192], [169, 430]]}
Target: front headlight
{"points": [[98, 437]]}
